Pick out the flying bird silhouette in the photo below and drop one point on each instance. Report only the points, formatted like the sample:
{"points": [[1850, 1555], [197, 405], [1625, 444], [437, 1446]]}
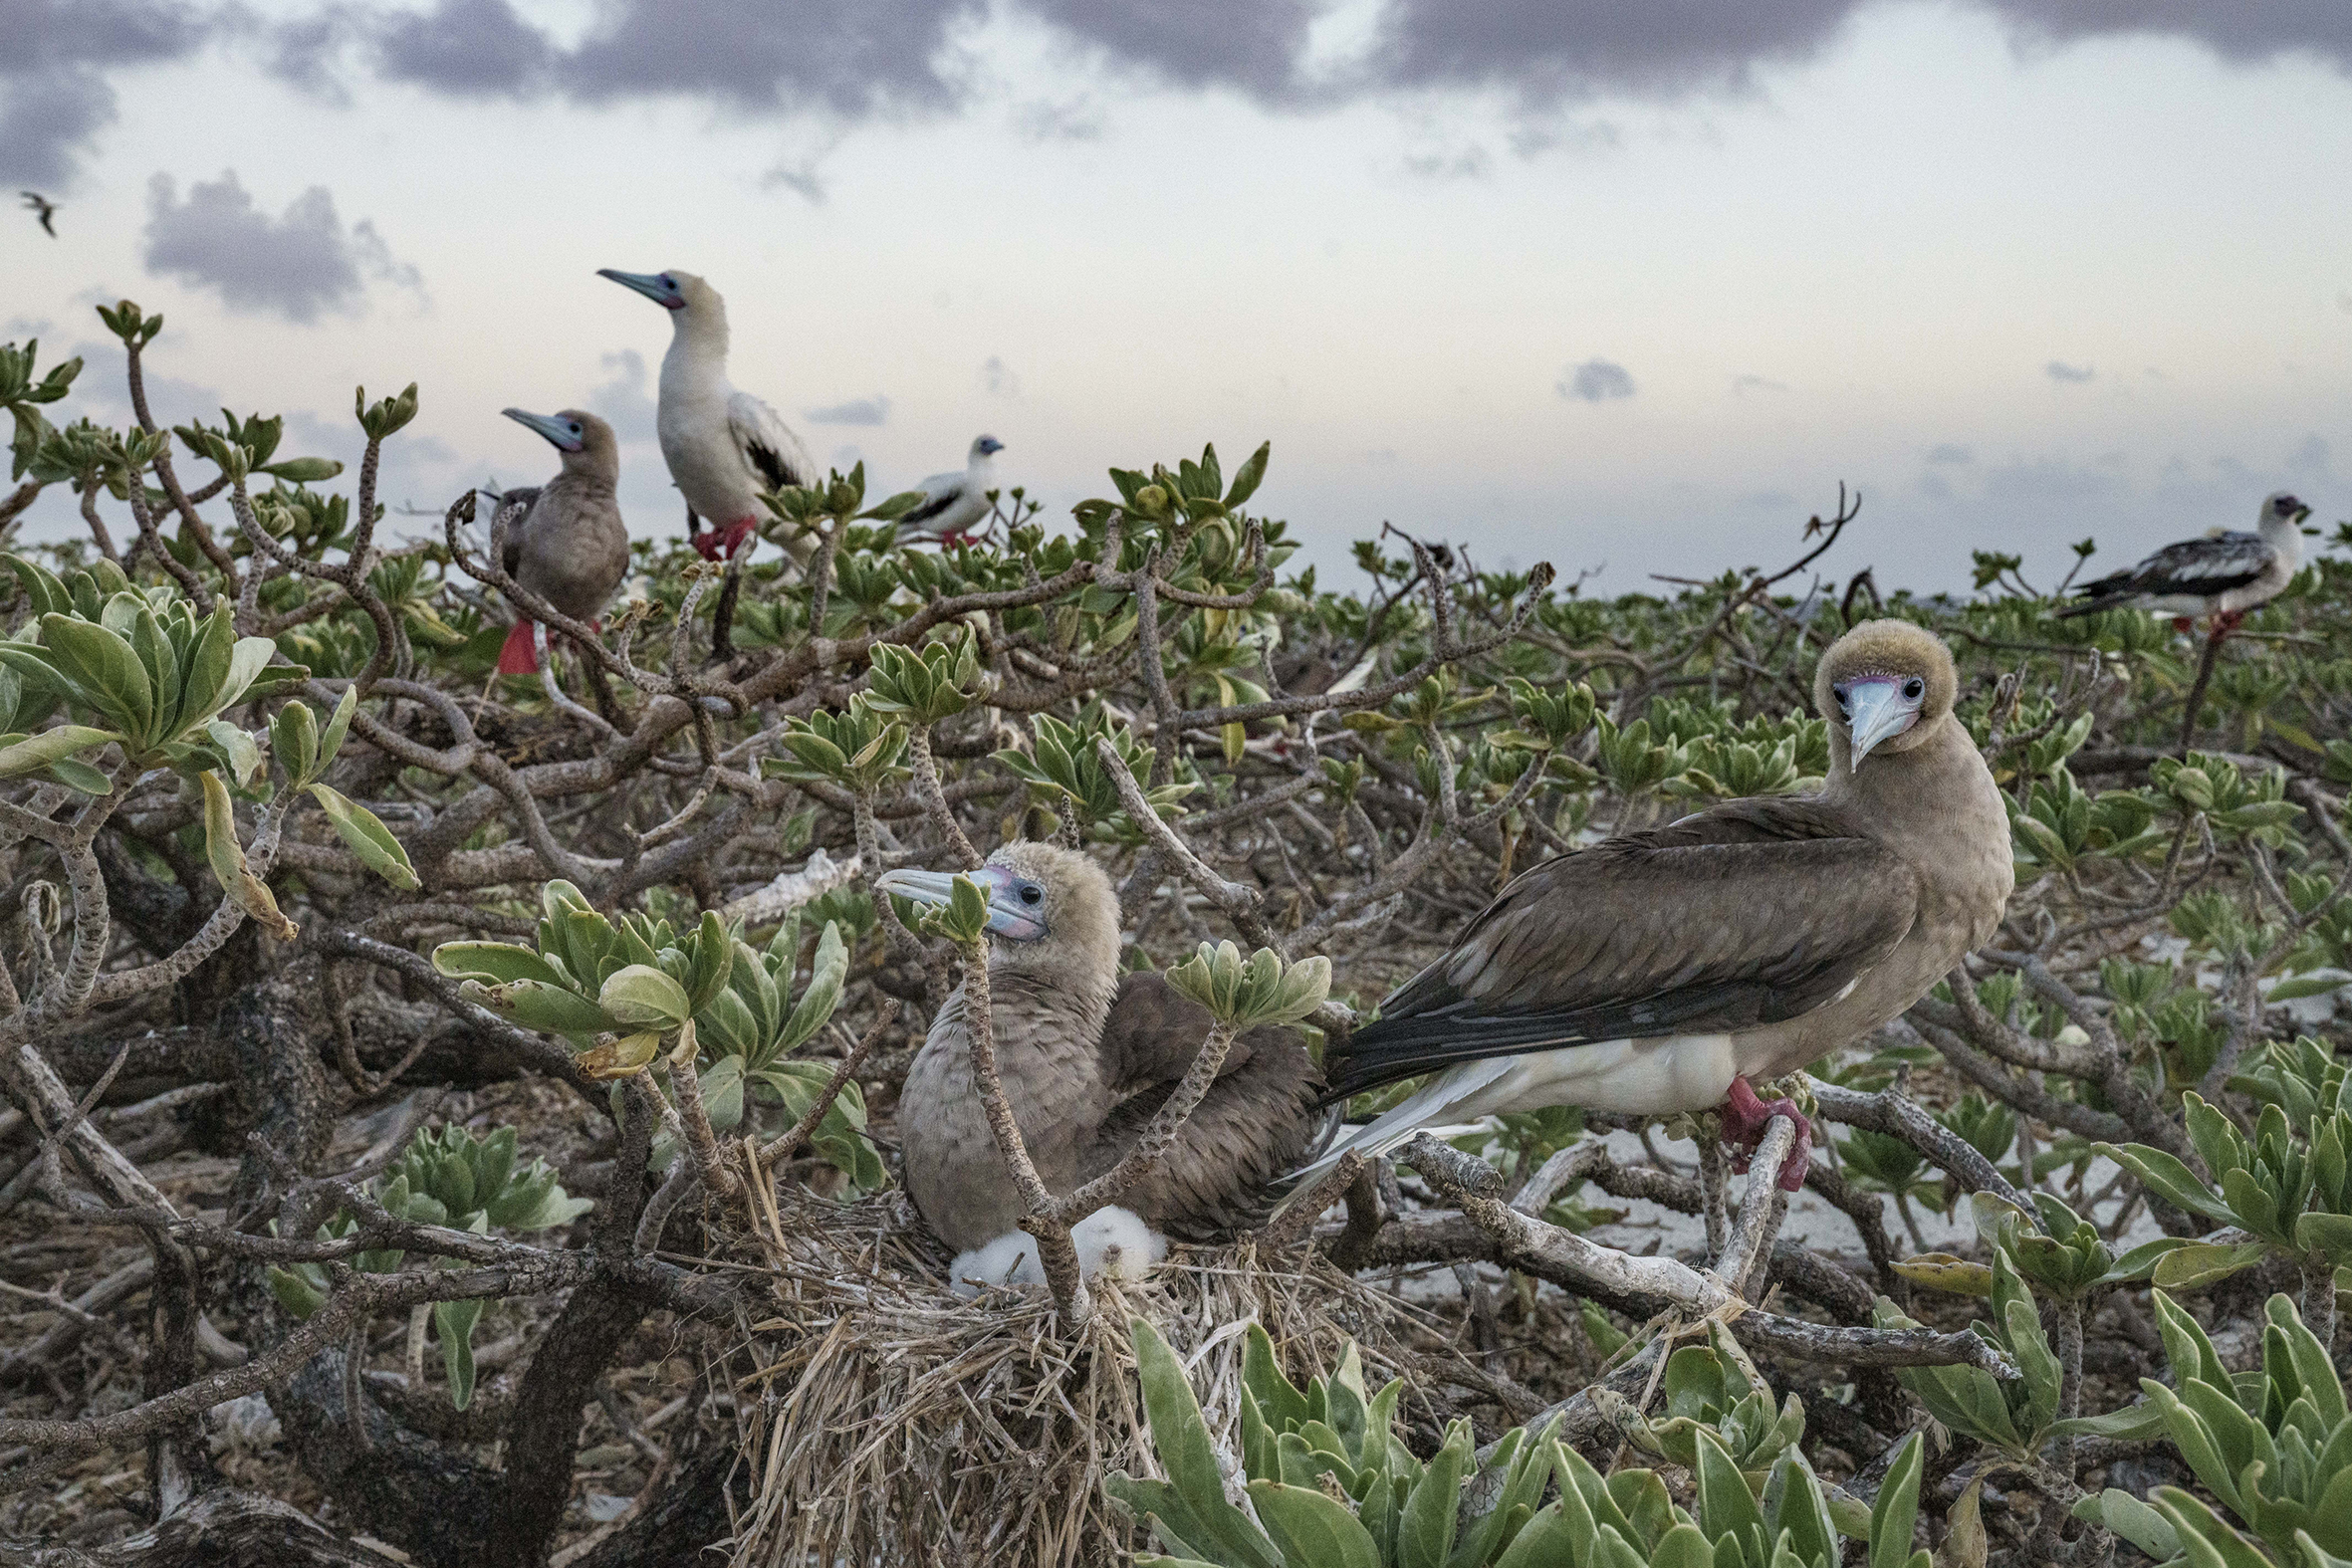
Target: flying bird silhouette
{"points": [[37, 203]]}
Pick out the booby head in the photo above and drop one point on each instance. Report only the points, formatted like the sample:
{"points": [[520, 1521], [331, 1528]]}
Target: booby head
{"points": [[585, 441], [1048, 908], [1885, 686], [670, 289], [986, 446], [2282, 510]]}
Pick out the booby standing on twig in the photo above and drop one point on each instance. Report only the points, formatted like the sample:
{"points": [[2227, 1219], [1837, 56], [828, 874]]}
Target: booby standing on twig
{"points": [[723, 447], [955, 505], [565, 540], [1087, 1055], [2221, 577], [1660, 971], [42, 205]]}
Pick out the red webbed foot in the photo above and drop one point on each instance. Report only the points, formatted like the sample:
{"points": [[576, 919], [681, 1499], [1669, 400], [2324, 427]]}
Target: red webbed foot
{"points": [[2184, 624], [722, 544], [1745, 1118]]}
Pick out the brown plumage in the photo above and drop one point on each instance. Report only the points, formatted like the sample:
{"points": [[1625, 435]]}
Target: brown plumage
{"points": [[1658, 970], [569, 546], [1087, 1055]]}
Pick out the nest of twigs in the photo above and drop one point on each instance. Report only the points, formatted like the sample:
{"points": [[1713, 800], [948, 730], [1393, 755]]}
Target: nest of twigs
{"points": [[891, 1423]]}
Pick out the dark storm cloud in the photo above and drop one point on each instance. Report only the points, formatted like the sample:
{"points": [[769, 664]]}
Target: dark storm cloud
{"points": [[54, 95], [850, 59], [295, 265], [2233, 29], [1549, 49]]}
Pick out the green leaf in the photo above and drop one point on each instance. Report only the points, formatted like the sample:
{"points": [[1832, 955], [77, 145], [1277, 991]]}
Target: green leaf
{"points": [[2166, 1176], [102, 673], [294, 739], [642, 997], [295, 1293], [2206, 1541], [37, 752], [1181, 1439], [493, 963], [2131, 1519], [454, 1322], [1425, 1530], [2199, 1264], [338, 725], [367, 838], [1895, 1511], [539, 1005], [1309, 1528], [237, 747], [245, 891]]}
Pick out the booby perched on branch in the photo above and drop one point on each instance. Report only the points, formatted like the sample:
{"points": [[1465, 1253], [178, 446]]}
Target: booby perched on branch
{"points": [[565, 540], [1087, 1055], [955, 505], [723, 447], [2221, 577], [1660, 971]]}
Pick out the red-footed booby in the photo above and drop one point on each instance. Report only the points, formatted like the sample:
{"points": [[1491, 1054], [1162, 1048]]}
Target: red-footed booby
{"points": [[1087, 1055], [723, 447], [2221, 577], [569, 546], [1658, 972], [955, 505]]}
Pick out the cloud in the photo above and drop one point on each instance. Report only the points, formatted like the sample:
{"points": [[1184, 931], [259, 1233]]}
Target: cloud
{"points": [[850, 61], [2311, 454], [1077, 120], [802, 179], [295, 265], [872, 411], [54, 95], [1472, 162], [1550, 50], [1253, 45], [1950, 452], [1595, 381], [623, 402], [465, 47], [997, 377], [2061, 370], [1757, 383]]}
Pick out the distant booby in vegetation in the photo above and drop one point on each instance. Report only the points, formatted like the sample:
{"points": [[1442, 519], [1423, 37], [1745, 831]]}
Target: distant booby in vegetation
{"points": [[1087, 1055], [1660, 971], [723, 447], [42, 205], [955, 504], [2221, 577], [565, 540]]}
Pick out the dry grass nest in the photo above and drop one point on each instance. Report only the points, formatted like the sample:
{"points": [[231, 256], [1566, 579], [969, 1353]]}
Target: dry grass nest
{"points": [[889, 1423]]}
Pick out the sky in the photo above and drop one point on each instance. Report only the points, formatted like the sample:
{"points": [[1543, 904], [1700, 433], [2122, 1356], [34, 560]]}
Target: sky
{"points": [[1626, 288]]}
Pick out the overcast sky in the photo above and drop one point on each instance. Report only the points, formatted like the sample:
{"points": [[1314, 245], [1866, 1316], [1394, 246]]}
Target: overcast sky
{"points": [[1568, 280]]}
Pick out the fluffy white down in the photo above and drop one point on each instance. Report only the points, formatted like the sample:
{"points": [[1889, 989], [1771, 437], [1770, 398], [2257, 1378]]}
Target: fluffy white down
{"points": [[1110, 1240]]}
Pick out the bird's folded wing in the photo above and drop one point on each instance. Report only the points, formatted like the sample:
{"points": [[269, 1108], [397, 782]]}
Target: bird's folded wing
{"points": [[2194, 565], [767, 442], [940, 492], [1156, 1030], [1751, 913]]}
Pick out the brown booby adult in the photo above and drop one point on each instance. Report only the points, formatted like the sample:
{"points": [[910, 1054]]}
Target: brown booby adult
{"points": [[724, 447], [569, 546], [1087, 1055], [1658, 972], [2218, 578]]}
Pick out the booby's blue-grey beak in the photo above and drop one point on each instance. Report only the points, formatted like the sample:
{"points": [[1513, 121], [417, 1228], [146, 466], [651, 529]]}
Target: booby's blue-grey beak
{"points": [[1016, 905], [566, 434], [1879, 708], [990, 445], [659, 286]]}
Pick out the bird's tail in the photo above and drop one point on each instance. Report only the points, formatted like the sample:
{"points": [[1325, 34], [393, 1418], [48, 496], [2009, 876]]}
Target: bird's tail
{"points": [[515, 656], [1442, 1097]]}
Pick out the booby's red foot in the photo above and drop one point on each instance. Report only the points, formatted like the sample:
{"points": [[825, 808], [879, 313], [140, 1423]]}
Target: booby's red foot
{"points": [[1745, 1118], [2184, 624], [2227, 622], [515, 655]]}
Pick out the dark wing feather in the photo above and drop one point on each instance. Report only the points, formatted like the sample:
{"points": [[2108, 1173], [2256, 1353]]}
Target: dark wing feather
{"points": [[2209, 566], [931, 508], [1254, 1123], [1752, 913], [515, 505], [770, 464]]}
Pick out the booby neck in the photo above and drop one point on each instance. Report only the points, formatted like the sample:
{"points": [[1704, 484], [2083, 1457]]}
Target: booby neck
{"points": [[697, 357], [2285, 535]]}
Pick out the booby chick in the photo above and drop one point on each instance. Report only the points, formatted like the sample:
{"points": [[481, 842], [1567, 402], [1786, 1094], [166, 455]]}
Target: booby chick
{"points": [[724, 447], [1111, 1240], [569, 546], [955, 505], [1087, 1055], [2218, 578], [1658, 972]]}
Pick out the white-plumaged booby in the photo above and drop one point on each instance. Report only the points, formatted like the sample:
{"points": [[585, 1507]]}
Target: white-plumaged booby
{"points": [[955, 504], [2221, 577], [724, 447], [1659, 971]]}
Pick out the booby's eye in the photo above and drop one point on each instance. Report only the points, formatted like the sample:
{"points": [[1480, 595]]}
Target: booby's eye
{"points": [[1915, 688], [1843, 706], [1030, 893]]}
